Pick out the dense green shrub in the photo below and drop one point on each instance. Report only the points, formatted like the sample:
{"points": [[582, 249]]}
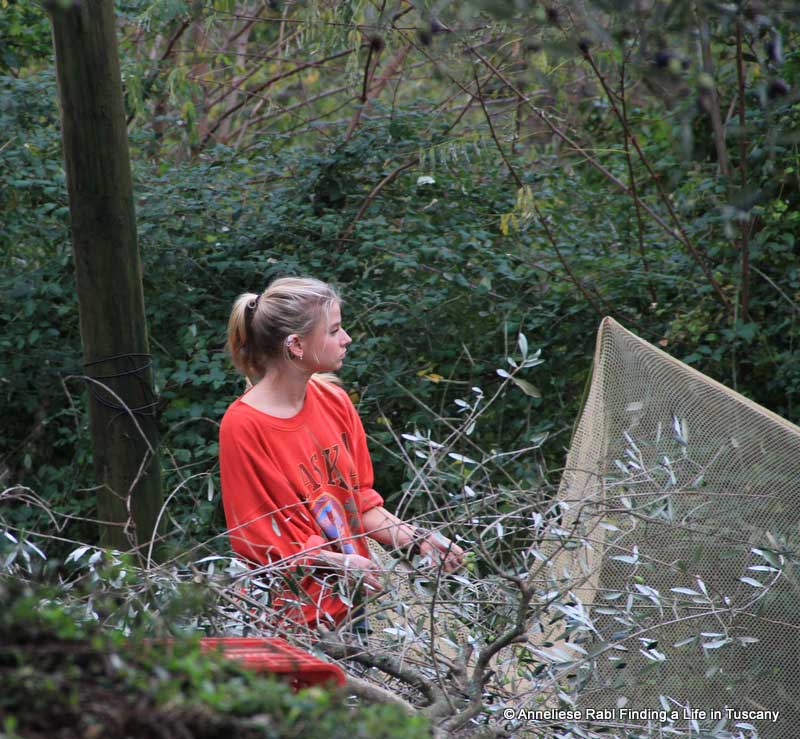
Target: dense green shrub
{"points": [[439, 276], [62, 677]]}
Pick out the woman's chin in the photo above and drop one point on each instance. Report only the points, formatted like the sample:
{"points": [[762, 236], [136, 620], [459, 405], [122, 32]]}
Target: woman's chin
{"points": [[332, 367]]}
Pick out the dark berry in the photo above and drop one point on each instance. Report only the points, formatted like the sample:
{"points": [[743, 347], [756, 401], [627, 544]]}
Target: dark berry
{"points": [[662, 58], [777, 88]]}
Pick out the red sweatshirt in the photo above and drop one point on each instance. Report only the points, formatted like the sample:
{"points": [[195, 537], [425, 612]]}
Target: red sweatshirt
{"points": [[292, 484]]}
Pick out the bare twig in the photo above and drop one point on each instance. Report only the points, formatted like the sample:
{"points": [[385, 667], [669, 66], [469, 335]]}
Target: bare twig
{"points": [[173, 39], [249, 94], [374, 193], [632, 182], [711, 99], [335, 647], [746, 228], [678, 234]]}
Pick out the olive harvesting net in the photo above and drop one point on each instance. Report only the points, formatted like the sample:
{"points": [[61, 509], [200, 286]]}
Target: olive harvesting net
{"points": [[686, 496]]}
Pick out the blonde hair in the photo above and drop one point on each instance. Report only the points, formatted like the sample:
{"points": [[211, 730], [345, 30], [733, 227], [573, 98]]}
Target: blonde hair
{"points": [[259, 324]]}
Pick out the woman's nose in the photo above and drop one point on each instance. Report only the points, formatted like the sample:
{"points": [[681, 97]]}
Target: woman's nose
{"points": [[347, 340]]}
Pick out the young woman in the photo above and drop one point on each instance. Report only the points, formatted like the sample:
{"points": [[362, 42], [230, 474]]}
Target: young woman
{"points": [[296, 473]]}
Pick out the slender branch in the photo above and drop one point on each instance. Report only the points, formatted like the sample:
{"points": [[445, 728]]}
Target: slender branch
{"points": [[263, 86], [480, 673], [175, 38], [333, 646], [795, 307], [369, 70], [148, 84], [493, 133], [237, 83], [600, 310], [305, 125], [711, 100], [374, 193], [744, 242], [251, 122], [391, 68], [432, 625], [679, 234], [632, 183], [373, 91], [246, 26]]}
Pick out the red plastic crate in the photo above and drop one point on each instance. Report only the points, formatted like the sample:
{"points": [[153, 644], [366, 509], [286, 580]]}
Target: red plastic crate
{"points": [[276, 656]]}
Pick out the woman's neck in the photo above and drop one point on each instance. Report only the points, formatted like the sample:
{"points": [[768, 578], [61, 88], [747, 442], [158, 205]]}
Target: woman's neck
{"points": [[281, 392]]}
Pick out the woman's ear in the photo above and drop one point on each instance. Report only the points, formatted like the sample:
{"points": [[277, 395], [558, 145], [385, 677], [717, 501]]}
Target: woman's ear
{"points": [[294, 347]]}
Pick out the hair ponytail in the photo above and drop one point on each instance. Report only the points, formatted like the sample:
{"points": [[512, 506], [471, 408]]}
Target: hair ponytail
{"points": [[240, 344]]}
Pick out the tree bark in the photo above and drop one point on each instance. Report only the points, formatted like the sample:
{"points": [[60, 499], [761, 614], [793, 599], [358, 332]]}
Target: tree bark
{"points": [[108, 271]]}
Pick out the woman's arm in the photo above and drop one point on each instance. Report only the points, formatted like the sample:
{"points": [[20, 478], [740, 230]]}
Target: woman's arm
{"points": [[387, 528], [351, 565]]}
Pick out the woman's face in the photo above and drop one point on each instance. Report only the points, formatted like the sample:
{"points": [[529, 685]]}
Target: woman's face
{"points": [[327, 344]]}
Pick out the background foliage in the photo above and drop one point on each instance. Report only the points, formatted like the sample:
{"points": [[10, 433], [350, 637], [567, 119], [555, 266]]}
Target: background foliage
{"points": [[464, 174], [514, 231]]}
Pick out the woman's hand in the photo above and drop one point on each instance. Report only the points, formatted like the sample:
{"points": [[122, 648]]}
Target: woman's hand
{"points": [[354, 567], [387, 528], [358, 567], [441, 551]]}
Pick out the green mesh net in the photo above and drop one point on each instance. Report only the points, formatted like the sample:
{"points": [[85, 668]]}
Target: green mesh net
{"points": [[687, 496]]}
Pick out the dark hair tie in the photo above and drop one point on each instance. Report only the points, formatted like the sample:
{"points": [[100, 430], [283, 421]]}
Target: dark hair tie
{"points": [[250, 311], [252, 305]]}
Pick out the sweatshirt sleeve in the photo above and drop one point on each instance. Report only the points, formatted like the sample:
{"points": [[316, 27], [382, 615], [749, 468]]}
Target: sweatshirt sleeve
{"points": [[367, 497], [266, 519]]}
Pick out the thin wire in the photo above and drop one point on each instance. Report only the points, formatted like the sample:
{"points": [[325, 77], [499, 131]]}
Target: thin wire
{"points": [[146, 409]]}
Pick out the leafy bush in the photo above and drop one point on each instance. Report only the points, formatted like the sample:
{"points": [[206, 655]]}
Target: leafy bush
{"points": [[68, 678]]}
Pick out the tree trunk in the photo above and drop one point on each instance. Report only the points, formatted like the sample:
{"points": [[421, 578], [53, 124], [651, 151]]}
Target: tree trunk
{"points": [[108, 271]]}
